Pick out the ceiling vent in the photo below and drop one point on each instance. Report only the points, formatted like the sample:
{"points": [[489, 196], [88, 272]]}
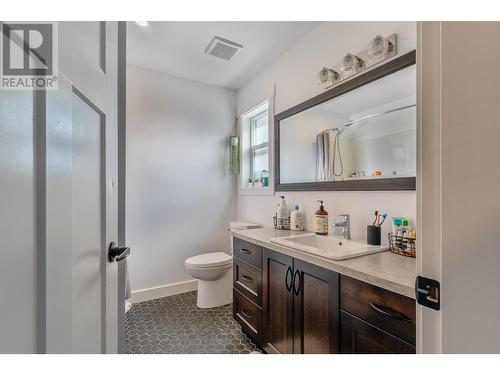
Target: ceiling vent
{"points": [[222, 48]]}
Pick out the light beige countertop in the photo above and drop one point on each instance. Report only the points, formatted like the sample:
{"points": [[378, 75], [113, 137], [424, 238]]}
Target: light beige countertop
{"points": [[387, 270]]}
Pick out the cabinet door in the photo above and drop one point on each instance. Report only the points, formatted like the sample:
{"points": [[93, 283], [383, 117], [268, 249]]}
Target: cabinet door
{"points": [[277, 302], [360, 337], [316, 309]]}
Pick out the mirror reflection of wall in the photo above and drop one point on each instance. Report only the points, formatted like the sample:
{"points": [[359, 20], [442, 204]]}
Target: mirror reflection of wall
{"points": [[367, 133]]}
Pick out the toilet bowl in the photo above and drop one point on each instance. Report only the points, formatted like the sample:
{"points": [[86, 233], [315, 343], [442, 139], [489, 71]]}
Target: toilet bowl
{"points": [[213, 272]]}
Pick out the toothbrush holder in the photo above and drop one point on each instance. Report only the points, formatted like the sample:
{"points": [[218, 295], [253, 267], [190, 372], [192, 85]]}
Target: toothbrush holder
{"points": [[373, 235]]}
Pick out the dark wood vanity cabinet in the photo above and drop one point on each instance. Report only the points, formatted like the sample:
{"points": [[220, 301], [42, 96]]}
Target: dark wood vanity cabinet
{"points": [[316, 309], [290, 306], [360, 337], [375, 320], [247, 288], [277, 302], [300, 306]]}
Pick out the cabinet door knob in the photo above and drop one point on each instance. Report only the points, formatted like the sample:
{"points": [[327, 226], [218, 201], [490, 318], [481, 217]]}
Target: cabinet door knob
{"points": [[289, 273], [296, 276]]}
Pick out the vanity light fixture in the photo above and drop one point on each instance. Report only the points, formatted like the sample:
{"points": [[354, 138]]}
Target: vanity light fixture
{"points": [[380, 47], [378, 50], [351, 64], [142, 23], [327, 77]]}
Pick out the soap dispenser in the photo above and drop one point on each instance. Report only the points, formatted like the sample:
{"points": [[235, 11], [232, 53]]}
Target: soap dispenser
{"points": [[297, 218], [282, 212], [321, 220]]}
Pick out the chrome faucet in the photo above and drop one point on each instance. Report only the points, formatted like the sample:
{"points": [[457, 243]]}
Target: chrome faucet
{"points": [[345, 224]]}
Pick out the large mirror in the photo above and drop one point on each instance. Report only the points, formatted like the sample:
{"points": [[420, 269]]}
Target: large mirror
{"points": [[360, 135]]}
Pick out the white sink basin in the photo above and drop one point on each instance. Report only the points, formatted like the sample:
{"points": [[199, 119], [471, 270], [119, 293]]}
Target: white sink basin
{"points": [[331, 247]]}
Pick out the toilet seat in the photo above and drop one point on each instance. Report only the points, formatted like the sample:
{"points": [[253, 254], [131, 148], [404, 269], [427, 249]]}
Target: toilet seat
{"points": [[209, 260]]}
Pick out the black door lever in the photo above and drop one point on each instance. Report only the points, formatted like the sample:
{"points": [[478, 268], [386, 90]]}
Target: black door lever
{"points": [[116, 253]]}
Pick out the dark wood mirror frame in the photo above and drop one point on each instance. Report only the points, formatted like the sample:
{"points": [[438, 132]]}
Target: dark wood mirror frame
{"points": [[397, 183]]}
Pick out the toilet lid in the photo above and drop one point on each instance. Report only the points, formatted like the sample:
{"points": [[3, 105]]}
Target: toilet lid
{"points": [[209, 260]]}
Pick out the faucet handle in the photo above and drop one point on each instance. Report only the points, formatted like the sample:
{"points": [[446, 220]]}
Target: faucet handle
{"points": [[345, 217]]}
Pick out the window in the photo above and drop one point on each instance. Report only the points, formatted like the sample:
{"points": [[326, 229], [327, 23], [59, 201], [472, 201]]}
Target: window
{"points": [[259, 150], [255, 133]]}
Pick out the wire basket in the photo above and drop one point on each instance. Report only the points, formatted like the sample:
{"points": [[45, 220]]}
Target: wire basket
{"points": [[402, 245], [283, 224]]}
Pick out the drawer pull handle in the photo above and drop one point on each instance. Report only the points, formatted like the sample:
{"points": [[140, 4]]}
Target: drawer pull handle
{"points": [[383, 311], [245, 314], [247, 278], [246, 251]]}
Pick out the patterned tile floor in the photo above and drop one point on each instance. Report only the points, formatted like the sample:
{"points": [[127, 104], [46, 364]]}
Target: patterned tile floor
{"points": [[175, 325]]}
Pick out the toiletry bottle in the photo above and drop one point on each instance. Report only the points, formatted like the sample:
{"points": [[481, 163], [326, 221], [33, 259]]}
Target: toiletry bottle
{"points": [[297, 218], [282, 212], [321, 220], [283, 215]]}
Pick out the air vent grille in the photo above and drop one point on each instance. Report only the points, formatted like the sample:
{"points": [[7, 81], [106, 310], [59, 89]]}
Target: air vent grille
{"points": [[222, 48]]}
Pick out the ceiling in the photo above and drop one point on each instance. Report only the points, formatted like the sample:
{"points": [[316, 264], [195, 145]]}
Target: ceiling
{"points": [[177, 48]]}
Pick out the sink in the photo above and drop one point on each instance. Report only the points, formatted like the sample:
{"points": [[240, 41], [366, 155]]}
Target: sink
{"points": [[332, 247]]}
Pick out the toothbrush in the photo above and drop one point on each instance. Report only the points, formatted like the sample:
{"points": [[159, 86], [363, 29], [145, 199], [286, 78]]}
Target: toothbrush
{"points": [[376, 217], [384, 216]]}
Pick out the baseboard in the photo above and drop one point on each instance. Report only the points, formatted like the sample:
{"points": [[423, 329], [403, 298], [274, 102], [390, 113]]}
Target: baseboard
{"points": [[163, 291]]}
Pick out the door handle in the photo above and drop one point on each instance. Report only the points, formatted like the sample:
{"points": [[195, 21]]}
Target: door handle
{"points": [[289, 273], [296, 290], [246, 251], [117, 253]]}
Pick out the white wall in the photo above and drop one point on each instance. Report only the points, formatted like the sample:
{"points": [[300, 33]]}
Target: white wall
{"points": [[179, 196], [294, 74]]}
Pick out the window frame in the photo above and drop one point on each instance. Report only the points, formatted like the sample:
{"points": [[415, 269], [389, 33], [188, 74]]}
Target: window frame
{"points": [[255, 147], [264, 108]]}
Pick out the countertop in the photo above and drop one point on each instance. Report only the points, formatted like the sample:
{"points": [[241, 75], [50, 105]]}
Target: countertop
{"points": [[387, 270]]}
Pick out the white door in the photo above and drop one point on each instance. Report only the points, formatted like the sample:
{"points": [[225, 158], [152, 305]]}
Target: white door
{"points": [[61, 199], [459, 184]]}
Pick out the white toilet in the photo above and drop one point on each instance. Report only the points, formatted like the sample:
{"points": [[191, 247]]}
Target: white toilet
{"points": [[214, 274]]}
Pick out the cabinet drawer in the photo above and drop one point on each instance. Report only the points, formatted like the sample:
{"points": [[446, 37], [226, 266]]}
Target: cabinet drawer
{"points": [[247, 280], [249, 252], [389, 311], [248, 315], [359, 337]]}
